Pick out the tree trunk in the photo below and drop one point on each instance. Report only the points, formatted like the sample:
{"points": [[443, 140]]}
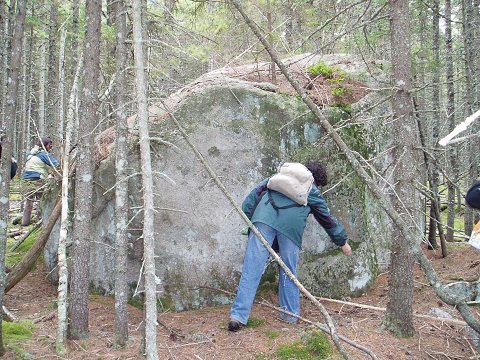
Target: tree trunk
{"points": [[74, 51], [399, 315], [450, 118], [468, 24], [23, 135], [52, 78], [435, 121], [148, 205], [273, 70], [121, 191], [40, 128], [64, 222], [7, 145], [3, 55], [29, 80], [78, 310], [60, 114]]}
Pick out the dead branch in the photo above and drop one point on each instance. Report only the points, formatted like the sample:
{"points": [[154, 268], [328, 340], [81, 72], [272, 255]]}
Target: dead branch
{"points": [[14, 232], [369, 307], [47, 317], [26, 235], [8, 315], [25, 265]]}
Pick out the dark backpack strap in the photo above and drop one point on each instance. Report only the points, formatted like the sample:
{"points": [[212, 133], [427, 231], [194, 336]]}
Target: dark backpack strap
{"points": [[271, 202]]}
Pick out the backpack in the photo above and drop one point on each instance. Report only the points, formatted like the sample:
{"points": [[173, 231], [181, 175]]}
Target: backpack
{"points": [[472, 198], [294, 181]]}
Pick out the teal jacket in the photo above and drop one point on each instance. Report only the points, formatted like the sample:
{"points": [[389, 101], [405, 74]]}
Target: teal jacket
{"points": [[291, 221]]}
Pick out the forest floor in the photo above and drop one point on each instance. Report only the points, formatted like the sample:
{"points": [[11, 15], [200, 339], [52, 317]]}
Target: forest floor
{"points": [[203, 334]]}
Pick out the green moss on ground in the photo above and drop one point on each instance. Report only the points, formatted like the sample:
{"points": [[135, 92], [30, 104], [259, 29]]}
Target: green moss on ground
{"points": [[313, 345]]}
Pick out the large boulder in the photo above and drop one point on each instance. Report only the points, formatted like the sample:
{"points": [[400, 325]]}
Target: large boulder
{"points": [[245, 127]]}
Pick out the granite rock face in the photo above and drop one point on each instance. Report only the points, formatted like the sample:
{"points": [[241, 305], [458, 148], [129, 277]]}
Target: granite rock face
{"points": [[244, 129]]}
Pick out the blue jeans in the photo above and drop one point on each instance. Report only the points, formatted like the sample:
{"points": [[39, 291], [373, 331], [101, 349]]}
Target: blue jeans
{"points": [[254, 261]]}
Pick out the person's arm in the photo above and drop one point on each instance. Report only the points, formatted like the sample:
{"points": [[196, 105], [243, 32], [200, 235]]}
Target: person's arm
{"points": [[332, 226], [248, 205], [48, 159]]}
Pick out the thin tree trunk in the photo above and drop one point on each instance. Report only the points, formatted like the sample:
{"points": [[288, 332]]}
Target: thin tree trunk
{"points": [[469, 62], [28, 89], [74, 51], [78, 314], [289, 14], [52, 78], [148, 205], [435, 120], [60, 116], [121, 192], [273, 70], [420, 101], [450, 118], [64, 222], [40, 128], [3, 56], [7, 146]]}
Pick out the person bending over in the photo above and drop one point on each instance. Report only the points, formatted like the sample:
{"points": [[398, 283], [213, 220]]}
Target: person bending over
{"points": [[279, 218]]}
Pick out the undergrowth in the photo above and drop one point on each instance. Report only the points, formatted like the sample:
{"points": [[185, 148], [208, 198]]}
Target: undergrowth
{"points": [[14, 334], [14, 257], [313, 345]]}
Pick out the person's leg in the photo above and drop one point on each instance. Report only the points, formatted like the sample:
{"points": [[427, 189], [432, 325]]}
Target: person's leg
{"points": [[288, 292], [29, 189], [27, 211], [253, 266]]}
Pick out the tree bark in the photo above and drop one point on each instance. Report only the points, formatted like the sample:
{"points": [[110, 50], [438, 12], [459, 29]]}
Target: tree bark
{"points": [[7, 145], [40, 126], [148, 205], [3, 55], [435, 123], [450, 118], [399, 315], [60, 113], [52, 77], [64, 222], [78, 309], [121, 190], [468, 24]]}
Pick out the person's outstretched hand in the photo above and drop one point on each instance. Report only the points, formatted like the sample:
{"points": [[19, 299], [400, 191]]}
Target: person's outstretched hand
{"points": [[347, 250]]}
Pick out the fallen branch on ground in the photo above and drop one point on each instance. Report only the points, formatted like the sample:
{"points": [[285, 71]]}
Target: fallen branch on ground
{"points": [[45, 317], [8, 316], [14, 232], [369, 307], [26, 235]]}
